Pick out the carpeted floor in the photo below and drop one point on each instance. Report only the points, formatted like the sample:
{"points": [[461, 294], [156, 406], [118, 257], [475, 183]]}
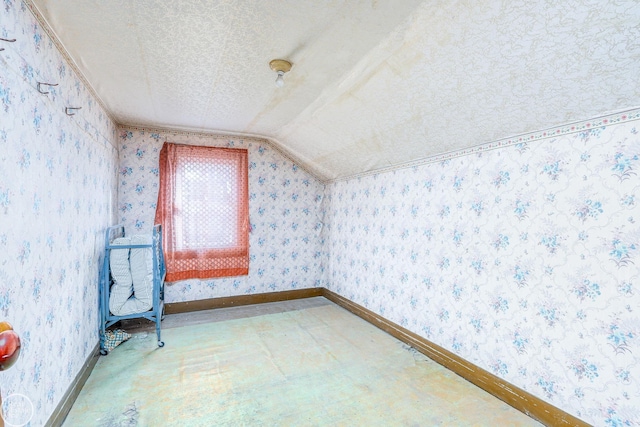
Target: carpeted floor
{"points": [[296, 363]]}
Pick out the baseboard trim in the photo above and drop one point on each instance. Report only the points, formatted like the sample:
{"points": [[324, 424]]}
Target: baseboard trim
{"points": [[60, 413], [521, 400], [234, 301]]}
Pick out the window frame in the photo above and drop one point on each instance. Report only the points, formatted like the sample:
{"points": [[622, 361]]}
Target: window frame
{"points": [[203, 263]]}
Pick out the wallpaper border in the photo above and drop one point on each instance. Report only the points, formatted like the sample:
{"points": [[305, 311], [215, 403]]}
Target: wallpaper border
{"points": [[623, 116], [273, 143]]}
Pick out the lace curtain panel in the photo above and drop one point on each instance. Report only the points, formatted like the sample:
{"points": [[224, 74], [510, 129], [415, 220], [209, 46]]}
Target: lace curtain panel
{"points": [[204, 211]]}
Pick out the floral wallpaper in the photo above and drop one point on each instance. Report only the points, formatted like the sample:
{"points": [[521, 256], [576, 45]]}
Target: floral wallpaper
{"points": [[520, 257], [284, 209], [57, 193], [522, 260]]}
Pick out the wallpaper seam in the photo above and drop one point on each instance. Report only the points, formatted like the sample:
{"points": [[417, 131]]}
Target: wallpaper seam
{"points": [[624, 116]]}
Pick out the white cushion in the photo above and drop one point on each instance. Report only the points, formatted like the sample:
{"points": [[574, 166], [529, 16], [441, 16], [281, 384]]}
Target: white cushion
{"points": [[132, 272], [121, 273], [141, 261]]}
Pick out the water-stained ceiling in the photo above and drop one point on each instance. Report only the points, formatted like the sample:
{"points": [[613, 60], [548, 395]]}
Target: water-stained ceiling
{"points": [[375, 83]]}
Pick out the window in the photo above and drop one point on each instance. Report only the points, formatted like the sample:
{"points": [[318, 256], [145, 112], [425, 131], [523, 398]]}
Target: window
{"points": [[204, 211]]}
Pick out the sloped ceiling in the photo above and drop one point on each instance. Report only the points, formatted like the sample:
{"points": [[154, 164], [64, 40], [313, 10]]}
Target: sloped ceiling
{"points": [[374, 83]]}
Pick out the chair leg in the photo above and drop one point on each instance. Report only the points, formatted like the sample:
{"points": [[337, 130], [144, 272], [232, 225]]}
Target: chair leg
{"points": [[159, 310], [160, 342], [103, 332]]}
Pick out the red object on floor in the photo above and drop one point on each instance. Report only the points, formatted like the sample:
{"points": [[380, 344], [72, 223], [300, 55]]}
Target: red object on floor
{"points": [[9, 346]]}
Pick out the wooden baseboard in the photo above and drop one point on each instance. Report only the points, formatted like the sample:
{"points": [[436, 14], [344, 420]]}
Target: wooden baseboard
{"points": [[69, 398], [207, 304], [521, 400]]}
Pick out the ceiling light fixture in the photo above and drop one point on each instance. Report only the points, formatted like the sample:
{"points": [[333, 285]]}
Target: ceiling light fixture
{"points": [[280, 66]]}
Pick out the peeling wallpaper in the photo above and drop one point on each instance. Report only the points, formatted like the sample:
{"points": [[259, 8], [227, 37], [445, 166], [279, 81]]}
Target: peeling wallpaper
{"points": [[284, 211], [58, 180], [522, 260]]}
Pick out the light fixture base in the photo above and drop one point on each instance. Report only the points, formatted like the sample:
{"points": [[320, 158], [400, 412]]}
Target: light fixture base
{"points": [[280, 65]]}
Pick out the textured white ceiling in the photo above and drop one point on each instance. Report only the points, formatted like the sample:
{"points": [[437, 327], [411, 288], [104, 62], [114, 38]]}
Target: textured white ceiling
{"points": [[374, 83]]}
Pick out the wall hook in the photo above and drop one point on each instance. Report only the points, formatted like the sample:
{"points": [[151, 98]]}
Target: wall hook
{"points": [[70, 111], [6, 40], [45, 84]]}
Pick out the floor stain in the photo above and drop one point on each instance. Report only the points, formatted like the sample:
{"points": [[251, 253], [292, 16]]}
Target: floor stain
{"points": [[127, 418], [303, 364]]}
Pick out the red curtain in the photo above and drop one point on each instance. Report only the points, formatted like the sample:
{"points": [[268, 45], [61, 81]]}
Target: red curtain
{"points": [[203, 207]]}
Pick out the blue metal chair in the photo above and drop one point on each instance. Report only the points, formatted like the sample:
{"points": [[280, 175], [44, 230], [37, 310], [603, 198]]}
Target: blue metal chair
{"points": [[155, 314]]}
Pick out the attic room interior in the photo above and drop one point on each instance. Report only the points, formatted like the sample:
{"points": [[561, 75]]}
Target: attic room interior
{"points": [[453, 185]]}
